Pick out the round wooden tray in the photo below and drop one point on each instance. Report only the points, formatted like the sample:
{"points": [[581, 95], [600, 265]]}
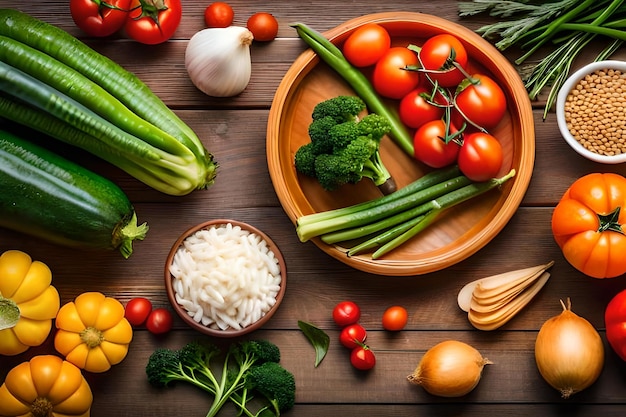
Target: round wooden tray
{"points": [[462, 230]]}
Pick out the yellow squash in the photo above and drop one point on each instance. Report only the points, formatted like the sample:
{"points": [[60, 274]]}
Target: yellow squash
{"points": [[92, 332], [43, 387], [26, 284]]}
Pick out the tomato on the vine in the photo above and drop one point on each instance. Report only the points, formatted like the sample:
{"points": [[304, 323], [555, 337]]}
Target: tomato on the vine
{"points": [[159, 321], [395, 318], [419, 107], [99, 18], [391, 78], [362, 358], [480, 157], [352, 335], [137, 310], [481, 100], [430, 146], [346, 312], [153, 21], [264, 26], [219, 15], [366, 45], [438, 56]]}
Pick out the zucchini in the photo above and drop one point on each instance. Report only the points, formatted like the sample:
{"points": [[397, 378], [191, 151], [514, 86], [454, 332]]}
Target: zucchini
{"points": [[52, 198], [155, 146]]}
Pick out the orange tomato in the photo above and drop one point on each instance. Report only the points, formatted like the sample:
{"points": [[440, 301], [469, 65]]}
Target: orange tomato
{"points": [[587, 225]]}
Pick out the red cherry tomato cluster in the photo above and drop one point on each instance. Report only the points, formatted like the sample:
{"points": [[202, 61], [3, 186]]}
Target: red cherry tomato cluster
{"points": [[263, 25], [346, 314], [450, 109], [145, 21], [139, 311]]}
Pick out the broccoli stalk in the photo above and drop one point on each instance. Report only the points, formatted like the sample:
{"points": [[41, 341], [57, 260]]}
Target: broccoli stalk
{"points": [[344, 148], [243, 373]]}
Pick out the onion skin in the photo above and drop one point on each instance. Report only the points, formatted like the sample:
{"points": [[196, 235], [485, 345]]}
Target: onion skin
{"points": [[449, 369], [569, 352]]}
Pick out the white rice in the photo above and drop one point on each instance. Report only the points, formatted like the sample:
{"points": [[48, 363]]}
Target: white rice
{"points": [[225, 277]]}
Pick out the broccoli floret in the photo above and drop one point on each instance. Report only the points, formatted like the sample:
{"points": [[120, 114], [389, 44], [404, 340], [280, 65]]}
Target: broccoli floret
{"points": [[275, 383], [344, 148], [194, 363], [340, 108]]}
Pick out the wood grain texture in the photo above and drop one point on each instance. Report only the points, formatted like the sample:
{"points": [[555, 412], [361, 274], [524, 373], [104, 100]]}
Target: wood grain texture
{"points": [[234, 131]]}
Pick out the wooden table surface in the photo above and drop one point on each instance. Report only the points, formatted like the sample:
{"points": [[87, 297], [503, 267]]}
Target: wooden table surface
{"points": [[234, 131]]}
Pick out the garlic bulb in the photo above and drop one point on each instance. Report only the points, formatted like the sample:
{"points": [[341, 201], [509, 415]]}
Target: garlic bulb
{"points": [[218, 60]]}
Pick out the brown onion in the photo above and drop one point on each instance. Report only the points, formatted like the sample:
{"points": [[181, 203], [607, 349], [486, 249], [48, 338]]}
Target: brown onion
{"points": [[449, 369], [569, 352]]}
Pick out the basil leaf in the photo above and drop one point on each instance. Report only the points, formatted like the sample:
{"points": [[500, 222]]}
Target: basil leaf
{"points": [[318, 338]]}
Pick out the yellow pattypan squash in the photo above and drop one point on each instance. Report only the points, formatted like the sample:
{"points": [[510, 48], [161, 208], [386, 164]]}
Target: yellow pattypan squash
{"points": [[25, 286], [92, 332], [45, 386]]}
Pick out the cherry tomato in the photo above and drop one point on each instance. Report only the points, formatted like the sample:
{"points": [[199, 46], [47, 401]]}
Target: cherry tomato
{"points": [[362, 358], [480, 157], [395, 318], [430, 147], [219, 15], [150, 24], [263, 26], [439, 53], [353, 335], [391, 79], [159, 321], [137, 310], [481, 100], [417, 107], [366, 45], [99, 18], [346, 312]]}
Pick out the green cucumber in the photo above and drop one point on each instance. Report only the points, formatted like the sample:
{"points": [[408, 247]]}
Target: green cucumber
{"points": [[52, 198]]}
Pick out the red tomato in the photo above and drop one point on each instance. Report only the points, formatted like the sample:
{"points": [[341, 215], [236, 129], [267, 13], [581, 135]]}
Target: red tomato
{"points": [[481, 101], [615, 323], [480, 156], [430, 147], [137, 310], [418, 107], [219, 15], [362, 358], [588, 224], [346, 312], [366, 45], [149, 24], [353, 335], [99, 18], [390, 77], [395, 318], [159, 321], [263, 26], [439, 53]]}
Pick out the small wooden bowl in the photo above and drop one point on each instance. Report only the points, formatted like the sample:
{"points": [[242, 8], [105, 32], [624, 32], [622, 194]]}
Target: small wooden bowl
{"points": [[569, 84], [462, 230], [230, 331]]}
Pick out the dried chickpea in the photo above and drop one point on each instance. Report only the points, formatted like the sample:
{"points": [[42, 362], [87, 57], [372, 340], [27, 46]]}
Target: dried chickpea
{"points": [[595, 112]]}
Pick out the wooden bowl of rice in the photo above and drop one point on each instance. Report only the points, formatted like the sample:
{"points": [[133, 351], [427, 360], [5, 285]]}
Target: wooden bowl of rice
{"points": [[225, 278]]}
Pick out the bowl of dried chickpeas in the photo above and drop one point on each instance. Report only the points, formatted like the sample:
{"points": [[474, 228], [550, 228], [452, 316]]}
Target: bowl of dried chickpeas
{"points": [[591, 110]]}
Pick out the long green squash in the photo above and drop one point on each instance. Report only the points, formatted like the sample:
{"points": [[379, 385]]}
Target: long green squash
{"points": [[51, 55], [47, 196]]}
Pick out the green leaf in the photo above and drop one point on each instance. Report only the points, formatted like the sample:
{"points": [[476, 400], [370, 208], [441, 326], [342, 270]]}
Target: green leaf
{"points": [[9, 313], [318, 338]]}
